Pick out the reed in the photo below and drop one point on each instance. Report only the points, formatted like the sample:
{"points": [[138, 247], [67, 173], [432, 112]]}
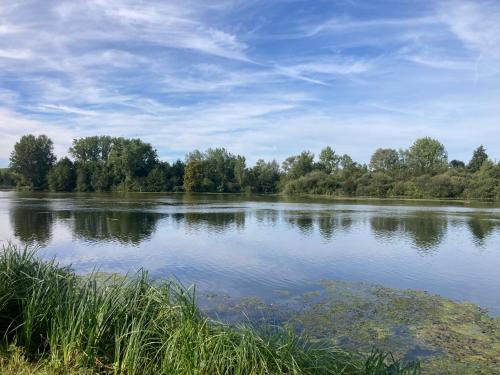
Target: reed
{"points": [[53, 321]]}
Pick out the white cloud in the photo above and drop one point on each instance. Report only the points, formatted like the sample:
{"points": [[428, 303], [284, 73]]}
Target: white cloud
{"points": [[348, 25], [476, 24], [185, 75], [14, 125], [16, 54]]}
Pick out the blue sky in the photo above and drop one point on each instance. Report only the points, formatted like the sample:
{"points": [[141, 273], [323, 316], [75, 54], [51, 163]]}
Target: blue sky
{"points": [[264, 78]]}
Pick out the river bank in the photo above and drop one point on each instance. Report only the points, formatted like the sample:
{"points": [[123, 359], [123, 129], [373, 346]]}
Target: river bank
{"points": [[58, 322]]}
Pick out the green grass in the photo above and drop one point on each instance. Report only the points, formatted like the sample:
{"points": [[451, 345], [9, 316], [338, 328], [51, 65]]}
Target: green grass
{"points": [[55, 322]]}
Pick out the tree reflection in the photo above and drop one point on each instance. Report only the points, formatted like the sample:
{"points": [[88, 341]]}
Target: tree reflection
{"points": [[127, 226], [269, 217], [425, 230], [480, 228], [384, 226], [327, 224], [217, 222], [303, 221], [32, 225]]}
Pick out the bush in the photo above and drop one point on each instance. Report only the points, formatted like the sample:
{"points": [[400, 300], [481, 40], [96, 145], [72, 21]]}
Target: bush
{"points": [[7, 178], [315, 182]]}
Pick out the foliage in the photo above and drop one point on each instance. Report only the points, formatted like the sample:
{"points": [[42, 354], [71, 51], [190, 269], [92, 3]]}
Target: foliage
{"points": [[215, 170], [426, 156], [8, 178], [299, 165], [131, 160], [264, 177], [315, 182], [62, 177], [103, 163], [132, 325], [478, 158], [328, 161], [485, 183], [32, 159], [386, 160]]}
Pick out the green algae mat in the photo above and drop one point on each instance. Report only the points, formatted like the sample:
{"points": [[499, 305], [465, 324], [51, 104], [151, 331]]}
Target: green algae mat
{"points": [[448, 337]]}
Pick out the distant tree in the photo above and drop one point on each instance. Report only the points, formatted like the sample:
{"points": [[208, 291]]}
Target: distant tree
{"points": [[264, 177], [91, 156], [83, 177], [478, 158], [92, 149], [157, 179], [7, 178], [376, 184], [346, 162], [426, 156], [101, 177], [300, 165], [176, 176], [194, 176], [485, 183], [131, 159], [385, 160], [441, 186], [219, 168], [62, 177], [328, 160], [215, 170], [457, 164], [315, 182], [32, 159], [195, 155], [103, 163], [240, 172]]}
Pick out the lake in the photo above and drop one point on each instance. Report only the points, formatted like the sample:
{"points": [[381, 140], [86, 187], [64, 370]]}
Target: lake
{"points": [[262, 246]]}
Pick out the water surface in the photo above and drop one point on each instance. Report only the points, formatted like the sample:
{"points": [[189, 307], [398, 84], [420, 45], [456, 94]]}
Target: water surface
{"points": [[262, 246]]}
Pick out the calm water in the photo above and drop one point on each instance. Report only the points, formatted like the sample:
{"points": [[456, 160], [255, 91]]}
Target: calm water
{"points": [[260, 246]]}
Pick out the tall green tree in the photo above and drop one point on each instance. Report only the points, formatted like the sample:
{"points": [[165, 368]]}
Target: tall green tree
{"points": [[62, 177], [478, 158], [485, 183], [215, 170], [328, 160], [32, 159], [157, 179], [91, 156], [385, 160], [299, 165], [264, 177], [457, 164], [92, 149], [194, 177], [426, 156], [131, 158], [176, 176]]}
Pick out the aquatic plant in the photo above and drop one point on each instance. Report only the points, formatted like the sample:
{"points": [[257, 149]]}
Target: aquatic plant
{"points": [[58, 322]]}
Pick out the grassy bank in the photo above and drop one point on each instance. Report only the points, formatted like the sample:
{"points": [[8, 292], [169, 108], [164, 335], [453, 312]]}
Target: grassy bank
{"points": [[53, 321]]}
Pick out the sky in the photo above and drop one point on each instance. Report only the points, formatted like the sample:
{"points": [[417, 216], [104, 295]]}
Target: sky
{"points": [[263, 78]]}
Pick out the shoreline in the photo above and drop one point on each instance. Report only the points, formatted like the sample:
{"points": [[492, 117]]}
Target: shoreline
{"points": [[274, 195]]}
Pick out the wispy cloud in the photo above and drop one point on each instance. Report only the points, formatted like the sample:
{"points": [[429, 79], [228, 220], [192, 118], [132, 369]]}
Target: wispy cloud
{"points": [[344, 25], [264, 78], [476, 24]]}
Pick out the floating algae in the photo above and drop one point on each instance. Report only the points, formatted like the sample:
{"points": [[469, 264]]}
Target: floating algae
{"points": [[448, 337]]}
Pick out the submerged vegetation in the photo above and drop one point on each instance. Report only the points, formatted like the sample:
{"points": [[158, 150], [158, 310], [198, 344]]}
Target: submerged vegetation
{"points": [[103, 163], [54, 321], [446, 336]]}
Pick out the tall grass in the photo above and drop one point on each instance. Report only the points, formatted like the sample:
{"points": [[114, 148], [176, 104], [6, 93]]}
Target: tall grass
{"points": [[132, 325]]}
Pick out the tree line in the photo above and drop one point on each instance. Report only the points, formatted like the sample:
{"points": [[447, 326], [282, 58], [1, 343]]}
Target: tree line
{"points": [[103, 163]]}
